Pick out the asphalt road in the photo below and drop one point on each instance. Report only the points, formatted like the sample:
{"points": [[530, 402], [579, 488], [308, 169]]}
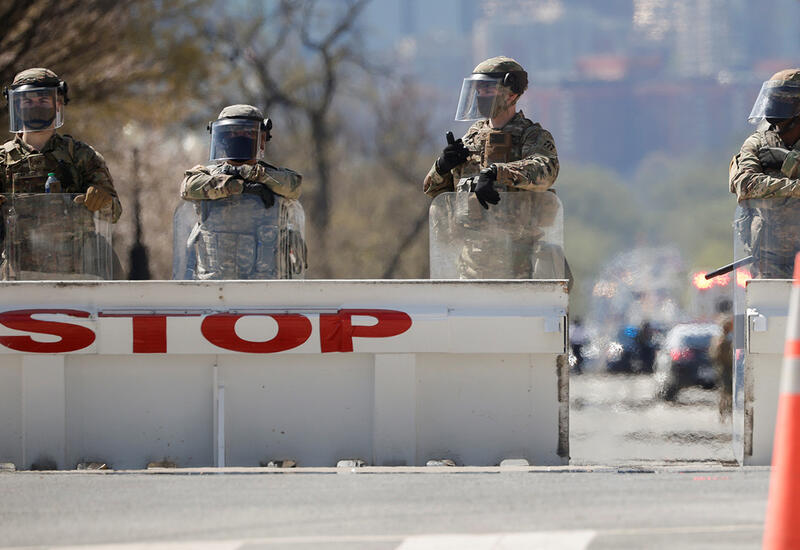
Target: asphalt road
{"points": [[666, 481], [616, 419], [720, 507]]}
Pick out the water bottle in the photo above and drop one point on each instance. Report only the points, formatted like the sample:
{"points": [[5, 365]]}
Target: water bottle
{"points": [[51, 179]]}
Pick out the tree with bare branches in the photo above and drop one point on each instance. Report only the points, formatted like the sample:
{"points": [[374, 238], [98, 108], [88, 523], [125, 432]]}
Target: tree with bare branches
{"points": [[123, 60], [296, 55]]}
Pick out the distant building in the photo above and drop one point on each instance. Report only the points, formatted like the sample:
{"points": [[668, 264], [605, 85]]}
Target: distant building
{"points": [[614, 80]]}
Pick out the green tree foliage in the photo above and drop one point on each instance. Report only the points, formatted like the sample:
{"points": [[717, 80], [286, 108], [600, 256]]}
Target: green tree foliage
{"points": [[669, 201], [601, 218], [689, 204]]}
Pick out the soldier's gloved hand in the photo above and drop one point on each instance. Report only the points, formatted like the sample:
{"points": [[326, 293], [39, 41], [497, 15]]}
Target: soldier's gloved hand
{"points": [[94, 199], [249, 171], [484, 188], [267, 196], [772, 156], [230, 170], [454, 154]]}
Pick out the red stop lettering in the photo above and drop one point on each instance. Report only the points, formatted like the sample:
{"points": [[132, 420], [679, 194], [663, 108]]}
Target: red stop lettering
{"points": [[149, 329], [150, 334], [337, 330], [73, 337], [293, 330]]}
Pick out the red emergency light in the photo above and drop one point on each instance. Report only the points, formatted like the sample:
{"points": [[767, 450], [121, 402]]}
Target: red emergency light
{"points": [[700, 282]]}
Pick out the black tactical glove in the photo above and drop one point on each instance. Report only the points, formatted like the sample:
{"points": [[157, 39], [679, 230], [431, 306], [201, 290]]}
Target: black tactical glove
{"points": [[453, 155], [267, 196], [230, 170], [484, 187], [772, 156]]}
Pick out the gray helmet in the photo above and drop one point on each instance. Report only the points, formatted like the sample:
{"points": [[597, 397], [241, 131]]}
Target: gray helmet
{"points": [[247, 112], [237, 133], [512, 74], [38, 77], [36, 100], [779, 98], [486, 92]]}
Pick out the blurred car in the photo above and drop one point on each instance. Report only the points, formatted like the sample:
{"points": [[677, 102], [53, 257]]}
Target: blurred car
{"points": [[631, 350], [684, 361], [622, 352]]}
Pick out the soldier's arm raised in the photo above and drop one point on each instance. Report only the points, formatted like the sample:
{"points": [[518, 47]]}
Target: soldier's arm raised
{"points": [[199, 184], [748, 180], [538, 169], [440, 178]]}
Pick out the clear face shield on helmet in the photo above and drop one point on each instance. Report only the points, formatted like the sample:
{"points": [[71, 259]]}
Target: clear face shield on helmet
{"points": [[236, 139], [777, 100], [35, 108], [480, 94]]}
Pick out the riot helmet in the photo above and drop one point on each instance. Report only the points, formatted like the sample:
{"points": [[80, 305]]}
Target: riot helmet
{"points": [[239, 134], [779, 98], [36, 100], [486, 92]]}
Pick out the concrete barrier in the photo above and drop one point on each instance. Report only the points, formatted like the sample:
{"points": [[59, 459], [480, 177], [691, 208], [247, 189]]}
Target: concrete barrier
{"points": [[240, 373], [757, 378]]}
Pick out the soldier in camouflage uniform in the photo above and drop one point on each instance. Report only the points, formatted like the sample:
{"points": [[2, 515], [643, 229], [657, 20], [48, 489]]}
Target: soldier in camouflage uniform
{"points": [[240, 171], [36, 100], [225, 246], [764, 177], [502, 151]]}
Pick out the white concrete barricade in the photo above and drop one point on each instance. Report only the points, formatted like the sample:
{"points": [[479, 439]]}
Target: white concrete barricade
{"points": [[756, 380], [240, 373]]}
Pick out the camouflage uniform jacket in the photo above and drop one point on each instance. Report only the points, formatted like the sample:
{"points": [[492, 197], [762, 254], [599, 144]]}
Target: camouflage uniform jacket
{"points": [[76, 165], [533, 165], [749, 180], [212, 182], [768, 225]]}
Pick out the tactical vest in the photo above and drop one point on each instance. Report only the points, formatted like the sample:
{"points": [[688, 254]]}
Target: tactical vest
{"points": [[237, 238], [498, 147], [26, 172]]}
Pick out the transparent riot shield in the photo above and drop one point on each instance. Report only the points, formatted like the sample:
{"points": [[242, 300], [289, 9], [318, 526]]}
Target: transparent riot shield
{"points": [[238, 238], [766, 235], [521, 237], [48, 236]]}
